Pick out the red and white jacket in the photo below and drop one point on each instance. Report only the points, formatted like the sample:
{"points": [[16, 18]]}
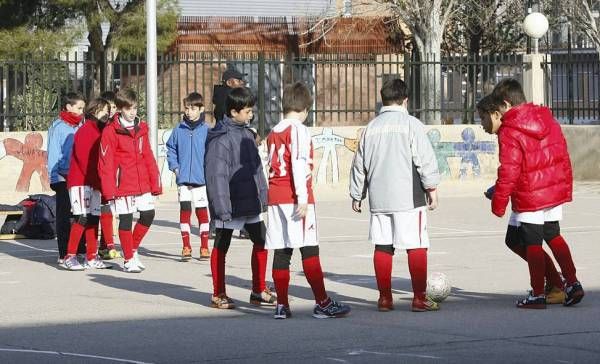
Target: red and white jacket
{"points": [[83, 168], [127, 166], [535, 169], [290, 163]]}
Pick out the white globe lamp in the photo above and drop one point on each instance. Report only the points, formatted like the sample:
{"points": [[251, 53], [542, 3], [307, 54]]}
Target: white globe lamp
{"points": [[535, 25]]}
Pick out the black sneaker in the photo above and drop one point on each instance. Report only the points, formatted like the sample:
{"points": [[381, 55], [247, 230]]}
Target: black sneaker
{"points": [[533, 302], [264, 298], [574, 294], [332, 310], [282, 312]]}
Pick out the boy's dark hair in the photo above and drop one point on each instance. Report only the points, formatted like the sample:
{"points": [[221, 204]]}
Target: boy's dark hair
{"points": [[510, 90], [70, 98], [193, 99], [296, 97], [96, 105], [489, 104], [126, 98], [108, 96], [393, 91], [238, 99]]}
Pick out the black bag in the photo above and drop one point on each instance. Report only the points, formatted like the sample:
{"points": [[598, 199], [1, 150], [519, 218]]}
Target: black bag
{"points": [[38, 220], [14, 222]]}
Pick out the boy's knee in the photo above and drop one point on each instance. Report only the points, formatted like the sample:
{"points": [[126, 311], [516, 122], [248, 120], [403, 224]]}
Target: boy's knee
{"points": [[81, 220], [223, 239], [146, 217], [125, 221], [93, 220], [282, 258], [185, 205], [309, 251], [512, 237], [551, 230], [531, 234], [389, 249]]}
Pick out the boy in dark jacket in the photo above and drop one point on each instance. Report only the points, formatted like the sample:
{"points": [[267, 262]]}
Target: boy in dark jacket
{"points": [[237, 195], [185, 155], [535, 174]]}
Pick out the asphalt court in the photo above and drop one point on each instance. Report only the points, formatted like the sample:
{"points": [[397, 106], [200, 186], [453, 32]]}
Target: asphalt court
{"points": [[163, 316]]}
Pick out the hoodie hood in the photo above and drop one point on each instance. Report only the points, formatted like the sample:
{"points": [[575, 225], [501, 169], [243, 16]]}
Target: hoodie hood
{"points": [[532, 120], [222, 127]]}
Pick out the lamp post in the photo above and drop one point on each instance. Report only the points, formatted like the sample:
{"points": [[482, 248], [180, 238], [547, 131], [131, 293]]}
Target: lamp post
{"points": [[535, 26], [151, 75]]}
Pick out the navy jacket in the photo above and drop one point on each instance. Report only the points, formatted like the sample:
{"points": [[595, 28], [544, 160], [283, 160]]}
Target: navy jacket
{"points": [[185, 153], [235, 182]]}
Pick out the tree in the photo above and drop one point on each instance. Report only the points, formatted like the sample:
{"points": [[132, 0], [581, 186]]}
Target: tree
{"points": [[584, 16], [427, 21]]}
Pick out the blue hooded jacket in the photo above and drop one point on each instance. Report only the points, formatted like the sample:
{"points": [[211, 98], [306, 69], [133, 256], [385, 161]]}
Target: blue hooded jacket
{"points": [[185, 152], [60, 147], [235, 181]]}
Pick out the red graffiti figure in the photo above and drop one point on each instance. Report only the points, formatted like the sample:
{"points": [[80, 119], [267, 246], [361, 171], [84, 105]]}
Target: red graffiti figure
{"points": [[33, 158]]}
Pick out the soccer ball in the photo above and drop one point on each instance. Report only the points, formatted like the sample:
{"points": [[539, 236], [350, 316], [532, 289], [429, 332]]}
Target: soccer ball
{"points": [[438, 287]]}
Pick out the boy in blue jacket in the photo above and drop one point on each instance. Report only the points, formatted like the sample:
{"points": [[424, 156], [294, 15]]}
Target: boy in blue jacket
{"points": [[237, 195], [185, 155], [60, 145]]}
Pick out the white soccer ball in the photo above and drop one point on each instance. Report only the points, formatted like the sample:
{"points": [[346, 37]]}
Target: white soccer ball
{"points": [[438, 287]]}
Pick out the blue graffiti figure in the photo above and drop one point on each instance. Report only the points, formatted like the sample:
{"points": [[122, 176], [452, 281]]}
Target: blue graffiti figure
{"points": [[469, 150]]}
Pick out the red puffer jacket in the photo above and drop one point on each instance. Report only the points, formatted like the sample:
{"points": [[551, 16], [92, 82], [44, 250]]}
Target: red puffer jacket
{"points": [[83, 170], [127, 166], [535, 168]]}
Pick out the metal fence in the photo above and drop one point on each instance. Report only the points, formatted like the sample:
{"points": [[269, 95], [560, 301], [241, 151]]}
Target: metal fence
{"points": [[346, 87]]}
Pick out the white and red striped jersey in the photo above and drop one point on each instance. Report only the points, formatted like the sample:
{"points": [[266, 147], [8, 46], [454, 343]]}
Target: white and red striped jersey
{"points": [[290, 163]]}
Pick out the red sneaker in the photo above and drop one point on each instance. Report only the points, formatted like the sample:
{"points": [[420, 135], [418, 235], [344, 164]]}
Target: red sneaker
{"points": [[422, 305], [385, 304]]}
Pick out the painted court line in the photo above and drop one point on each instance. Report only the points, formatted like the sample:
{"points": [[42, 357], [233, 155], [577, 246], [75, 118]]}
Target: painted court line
{"points": [[58, 353]]}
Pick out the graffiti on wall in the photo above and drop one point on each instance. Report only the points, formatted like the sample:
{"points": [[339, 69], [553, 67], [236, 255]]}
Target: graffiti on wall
{"points": [[32, 157], [328, 141], [468, 150]]}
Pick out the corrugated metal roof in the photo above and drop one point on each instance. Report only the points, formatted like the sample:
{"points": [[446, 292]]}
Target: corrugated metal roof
{"points": [[268, 8]]}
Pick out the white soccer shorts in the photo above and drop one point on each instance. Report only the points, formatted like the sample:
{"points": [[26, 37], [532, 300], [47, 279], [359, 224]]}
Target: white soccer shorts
{"points": [[536, 217], [285, 231], [85, 200], [195, 195], [403, 230], [131, 204]]}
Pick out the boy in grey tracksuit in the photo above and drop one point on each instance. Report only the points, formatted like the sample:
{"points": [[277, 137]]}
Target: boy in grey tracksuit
{"points": [[395, 163]]}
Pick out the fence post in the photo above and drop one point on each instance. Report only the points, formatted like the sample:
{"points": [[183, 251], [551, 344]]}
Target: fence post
{"points": [[261, 94]]}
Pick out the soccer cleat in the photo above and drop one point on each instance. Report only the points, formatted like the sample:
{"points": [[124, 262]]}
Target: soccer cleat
{"points": [[186, 254], [71, 263], [95, 263], [282, 312], [555, 295], [385, 304], [222, 302], [333, 310], [422, 305], [533, 302], [204, 254], [130, 266], [136, 257], [574, 294], [264, 298]]}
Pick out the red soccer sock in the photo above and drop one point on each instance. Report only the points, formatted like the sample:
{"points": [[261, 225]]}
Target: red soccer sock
{"points": [[91, 241], [106, 223], [185, 219], [258, 262], [75, 236], [126, 239], [281, 278], [203, 220], [551, 273], [561, 252], [217, 268], [314, 276], [417, 265], [382, 261], [139, 231], [537, 266]]}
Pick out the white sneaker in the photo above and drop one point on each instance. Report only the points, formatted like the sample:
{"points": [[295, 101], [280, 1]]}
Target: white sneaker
{"points": [[130, 266], [136, 257], [61, 262], [95, 263], [71, 263]]}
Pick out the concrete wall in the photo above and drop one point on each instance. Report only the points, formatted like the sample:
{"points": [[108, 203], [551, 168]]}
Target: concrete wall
{"points": [[465, 154]]}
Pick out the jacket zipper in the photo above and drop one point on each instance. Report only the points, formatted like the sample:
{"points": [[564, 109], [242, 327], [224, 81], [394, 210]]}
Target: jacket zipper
{"points": [[191, 152]]}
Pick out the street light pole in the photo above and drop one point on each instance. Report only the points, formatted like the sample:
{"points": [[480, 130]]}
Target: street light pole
{"points": [[151, 75]]}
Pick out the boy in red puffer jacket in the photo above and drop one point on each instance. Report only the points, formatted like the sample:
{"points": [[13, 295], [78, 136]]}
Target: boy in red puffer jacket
{"points": [[129, 175], [535, 173]]}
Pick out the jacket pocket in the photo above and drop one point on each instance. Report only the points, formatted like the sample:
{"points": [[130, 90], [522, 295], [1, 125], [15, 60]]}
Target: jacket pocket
{"points": [[118, 176]]}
